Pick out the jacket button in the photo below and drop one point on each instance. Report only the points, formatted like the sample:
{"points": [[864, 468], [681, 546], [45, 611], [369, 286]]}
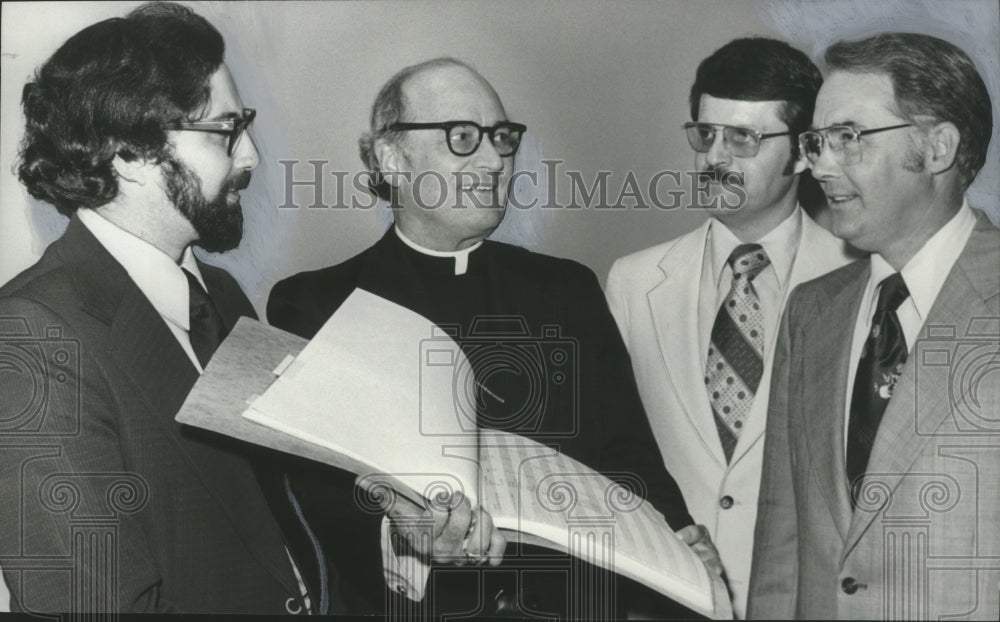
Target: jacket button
{"points": [[849, 585], [726, 502], [293, 606]]}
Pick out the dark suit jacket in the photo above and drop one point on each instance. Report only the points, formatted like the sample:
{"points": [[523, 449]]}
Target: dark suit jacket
{"points": [[93, 468], [595, 417], [922, 542]]}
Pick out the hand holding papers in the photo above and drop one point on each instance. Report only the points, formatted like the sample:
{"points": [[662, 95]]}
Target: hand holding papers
{"points": [[697, 537], [445, 531], [368, 395]]}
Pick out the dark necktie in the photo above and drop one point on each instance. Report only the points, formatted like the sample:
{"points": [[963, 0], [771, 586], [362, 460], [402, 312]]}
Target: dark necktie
{"points": [[881, 363], [206, 331], [736, 353]]}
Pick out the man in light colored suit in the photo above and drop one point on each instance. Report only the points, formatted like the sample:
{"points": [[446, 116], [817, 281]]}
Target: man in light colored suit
{"points": [[676, 302], [879, 496]]}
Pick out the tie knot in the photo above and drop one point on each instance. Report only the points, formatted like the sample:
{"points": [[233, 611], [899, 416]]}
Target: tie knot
{"points": [[893, 293], [748, 259]]}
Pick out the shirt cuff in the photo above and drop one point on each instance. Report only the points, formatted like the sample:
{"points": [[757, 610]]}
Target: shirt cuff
{"points": [[404, 574]]}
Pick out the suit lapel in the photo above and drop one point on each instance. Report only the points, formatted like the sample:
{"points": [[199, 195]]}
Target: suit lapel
{"points": [[817, 252], [824, 388], [673, 305], [147, 354], [911, 417]]}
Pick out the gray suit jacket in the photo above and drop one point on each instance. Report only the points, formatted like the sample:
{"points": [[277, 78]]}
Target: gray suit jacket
{"points": [[106, 502], [923, 541]]}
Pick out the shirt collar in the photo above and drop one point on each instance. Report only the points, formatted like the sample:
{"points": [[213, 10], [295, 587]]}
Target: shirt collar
{"points": [[461, 256], [780, 244], [925, 272], [154, 272]]}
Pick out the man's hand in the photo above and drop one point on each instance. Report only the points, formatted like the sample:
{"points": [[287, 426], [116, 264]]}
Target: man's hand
{"points": [[447, 531], [696, 536]]}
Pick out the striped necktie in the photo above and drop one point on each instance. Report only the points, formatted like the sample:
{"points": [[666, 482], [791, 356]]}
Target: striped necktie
{"points": [[736, 352]]}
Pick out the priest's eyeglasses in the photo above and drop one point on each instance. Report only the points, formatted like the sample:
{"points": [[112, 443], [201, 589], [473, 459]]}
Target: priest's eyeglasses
{"points": [[464, 137], [843, 140], [233, 128], [742, 142]]}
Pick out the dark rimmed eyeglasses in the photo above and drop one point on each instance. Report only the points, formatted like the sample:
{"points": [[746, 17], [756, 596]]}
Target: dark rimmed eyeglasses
{"points": [[233, 127], [742, 142], [464, 137], [843, 140]]}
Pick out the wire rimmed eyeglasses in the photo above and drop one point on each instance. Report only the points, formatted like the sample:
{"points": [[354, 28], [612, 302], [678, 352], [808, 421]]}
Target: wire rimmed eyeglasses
{"points": [[742, 142], [843, 140]]}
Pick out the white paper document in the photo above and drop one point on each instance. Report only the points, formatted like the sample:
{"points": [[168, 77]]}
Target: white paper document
{"points": [[392, 397]]}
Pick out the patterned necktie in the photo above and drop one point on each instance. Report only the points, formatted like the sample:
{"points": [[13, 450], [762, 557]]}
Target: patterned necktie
{"points": [[736, 353], [882, 361], [206, 330]]}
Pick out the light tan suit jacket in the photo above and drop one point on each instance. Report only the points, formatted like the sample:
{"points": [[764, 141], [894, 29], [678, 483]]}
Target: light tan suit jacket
{"points": [[653, 295], [924, 541]]}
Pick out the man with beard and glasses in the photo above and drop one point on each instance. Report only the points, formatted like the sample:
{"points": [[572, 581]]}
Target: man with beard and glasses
{"points": [[136, 131], [441, 151], [700, 313]]}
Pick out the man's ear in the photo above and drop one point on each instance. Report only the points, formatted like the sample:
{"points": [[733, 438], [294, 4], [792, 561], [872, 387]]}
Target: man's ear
{"points": [[941, 148], [133, 169], [390, 161], [801, 164]]}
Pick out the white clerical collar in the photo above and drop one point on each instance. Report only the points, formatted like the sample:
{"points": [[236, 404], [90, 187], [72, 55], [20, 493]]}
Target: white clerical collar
{"points": [[154, 272], [461, 256]]}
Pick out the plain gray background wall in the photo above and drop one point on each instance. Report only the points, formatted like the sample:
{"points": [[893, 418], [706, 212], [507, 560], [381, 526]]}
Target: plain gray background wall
{"points": [[602, 86]]}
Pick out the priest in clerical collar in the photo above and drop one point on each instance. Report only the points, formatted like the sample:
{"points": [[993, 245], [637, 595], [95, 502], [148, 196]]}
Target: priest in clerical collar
{"points": [[549, 361]]}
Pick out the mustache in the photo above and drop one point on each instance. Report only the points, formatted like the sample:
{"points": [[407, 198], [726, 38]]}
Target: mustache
{"points": [[719, 173]]}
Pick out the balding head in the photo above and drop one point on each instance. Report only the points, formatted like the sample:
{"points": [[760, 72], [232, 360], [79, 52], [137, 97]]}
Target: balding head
{"points": [[393, 105], [449, 179]]}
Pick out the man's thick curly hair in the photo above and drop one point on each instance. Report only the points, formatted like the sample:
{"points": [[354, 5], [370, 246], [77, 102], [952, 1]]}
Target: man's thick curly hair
{"points": [[109, 90]]}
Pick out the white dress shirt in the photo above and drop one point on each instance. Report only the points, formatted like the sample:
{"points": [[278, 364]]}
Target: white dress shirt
{"points": [[158, 277], [924, 275], [163, 283]]}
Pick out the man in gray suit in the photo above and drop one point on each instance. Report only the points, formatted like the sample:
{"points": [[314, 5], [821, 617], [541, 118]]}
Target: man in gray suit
{"points": [[879, 494]]}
